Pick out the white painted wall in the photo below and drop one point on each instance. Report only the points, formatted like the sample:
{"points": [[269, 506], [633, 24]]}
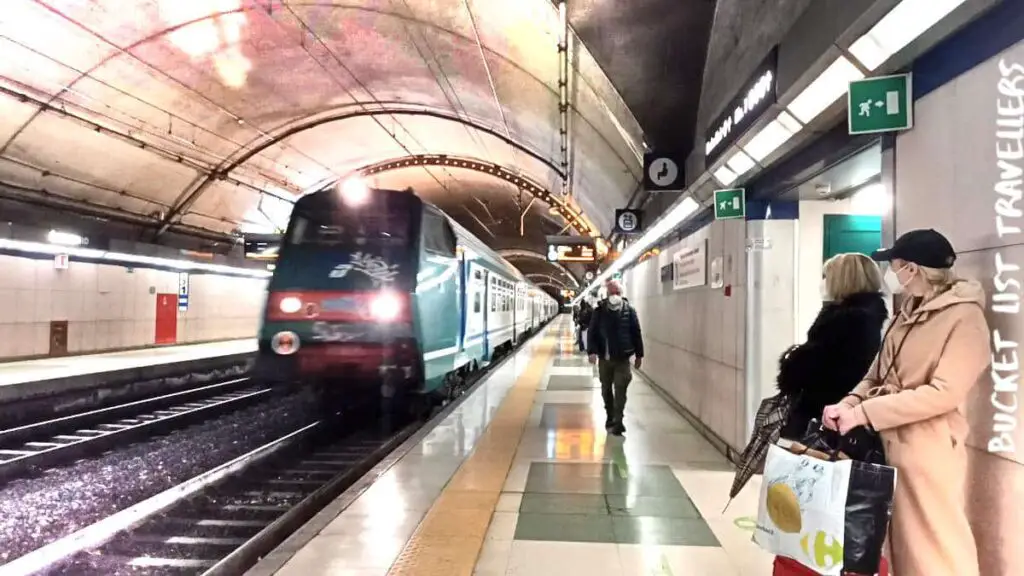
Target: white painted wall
{"points": [[770, 307], [694, 338], [108, 307], [810, 252]]}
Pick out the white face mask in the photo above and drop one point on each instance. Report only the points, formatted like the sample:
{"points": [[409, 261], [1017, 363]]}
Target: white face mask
{"points": [[824, 292], [892, 281], [615, 299]]}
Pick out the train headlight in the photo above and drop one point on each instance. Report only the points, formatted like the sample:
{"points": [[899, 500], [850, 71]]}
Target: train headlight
{"points": [[355, 192], [285, 343], [385, 307], [290, 305]]}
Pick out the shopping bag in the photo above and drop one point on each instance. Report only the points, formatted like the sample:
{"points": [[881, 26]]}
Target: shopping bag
{"points": [[802, 510], [869, 495], [786, 567]]}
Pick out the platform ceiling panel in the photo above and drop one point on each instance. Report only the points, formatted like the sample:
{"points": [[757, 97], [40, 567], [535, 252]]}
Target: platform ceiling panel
{"points": [[194, 108]]}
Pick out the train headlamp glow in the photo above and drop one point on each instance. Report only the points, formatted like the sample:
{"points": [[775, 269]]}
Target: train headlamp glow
{"points": [[385, 307], [290, 305], [285, 343], [355, 192]]}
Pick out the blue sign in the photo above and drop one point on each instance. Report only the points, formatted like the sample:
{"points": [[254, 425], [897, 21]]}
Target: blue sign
{"points": [[183, 290]]}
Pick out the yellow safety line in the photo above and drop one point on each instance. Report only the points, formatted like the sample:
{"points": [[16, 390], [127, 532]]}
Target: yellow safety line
{"points": [[448, 540]]}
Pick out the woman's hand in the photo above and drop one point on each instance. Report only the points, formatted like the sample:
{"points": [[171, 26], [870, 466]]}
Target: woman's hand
{"points": [[843, 418], [830, 416]]}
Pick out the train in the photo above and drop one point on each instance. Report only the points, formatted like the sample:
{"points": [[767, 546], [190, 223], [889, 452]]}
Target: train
{"points": [[377, 292]]}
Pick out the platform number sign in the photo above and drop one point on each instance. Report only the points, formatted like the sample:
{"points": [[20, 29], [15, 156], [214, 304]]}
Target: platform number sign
{"points": [[628, 221], [730, 204], [662, 173], [183, 289]]}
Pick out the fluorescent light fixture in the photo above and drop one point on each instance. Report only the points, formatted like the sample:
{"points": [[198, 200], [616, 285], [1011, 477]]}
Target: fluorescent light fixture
{"points": [[740, 163], [64, 238], [673, 218], [724, 176], [774, 134], [901, 26], [828, 87], [121, 258]]}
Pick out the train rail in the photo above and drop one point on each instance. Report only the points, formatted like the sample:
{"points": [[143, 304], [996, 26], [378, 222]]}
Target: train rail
{"points": [[45, 444]]}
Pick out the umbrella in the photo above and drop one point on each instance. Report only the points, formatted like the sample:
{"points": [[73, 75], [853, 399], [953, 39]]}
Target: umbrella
{"points": [[767, 428]]}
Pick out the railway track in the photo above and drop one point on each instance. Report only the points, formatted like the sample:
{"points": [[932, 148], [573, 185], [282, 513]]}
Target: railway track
{"points": [[45, 444], [221, 521]]}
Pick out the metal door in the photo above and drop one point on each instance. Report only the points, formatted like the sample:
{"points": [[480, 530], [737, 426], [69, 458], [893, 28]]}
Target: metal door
{"points": [[58, 338], [166, 319]]}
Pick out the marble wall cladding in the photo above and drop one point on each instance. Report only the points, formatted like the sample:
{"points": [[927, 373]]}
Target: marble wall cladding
{"points": [[111, 307]]}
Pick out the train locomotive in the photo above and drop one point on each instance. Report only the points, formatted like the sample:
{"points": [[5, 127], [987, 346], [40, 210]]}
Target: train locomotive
{"points": [[376, 292]]}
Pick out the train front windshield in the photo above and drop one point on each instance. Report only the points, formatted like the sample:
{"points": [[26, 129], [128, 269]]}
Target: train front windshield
{"points": [[334, 246]]}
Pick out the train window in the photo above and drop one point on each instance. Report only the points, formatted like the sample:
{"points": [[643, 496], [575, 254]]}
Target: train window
{"points": [[437, 235], [476, 303], [316, 225], [494, 304]]}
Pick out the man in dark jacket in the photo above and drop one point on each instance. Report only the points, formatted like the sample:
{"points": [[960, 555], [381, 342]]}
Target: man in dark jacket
{"points": [[612, 338], [582, 317]]}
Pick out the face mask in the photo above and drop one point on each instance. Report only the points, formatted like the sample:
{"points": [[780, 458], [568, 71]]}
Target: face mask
{"points": [[824, 292], [892, 281], [615, 300]]}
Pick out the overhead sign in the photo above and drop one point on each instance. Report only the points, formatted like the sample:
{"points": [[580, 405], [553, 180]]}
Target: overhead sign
{"points": [[690, 267], [261, 246], [662, 173], [61, 262], [628, 221], [570, 240], [730, 204], [183, 291], [571, 253], [881, 104], [753, 99]]}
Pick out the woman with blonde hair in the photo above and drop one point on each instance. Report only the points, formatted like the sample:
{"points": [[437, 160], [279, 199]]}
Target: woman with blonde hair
{"points": [[933, 353]]}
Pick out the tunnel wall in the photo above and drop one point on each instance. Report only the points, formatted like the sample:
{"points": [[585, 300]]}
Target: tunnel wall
{"points": [[694, 337], [960, 171], [112, 307]]}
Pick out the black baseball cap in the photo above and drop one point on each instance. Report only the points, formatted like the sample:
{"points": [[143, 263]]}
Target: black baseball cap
{"points": [[922, 247]]}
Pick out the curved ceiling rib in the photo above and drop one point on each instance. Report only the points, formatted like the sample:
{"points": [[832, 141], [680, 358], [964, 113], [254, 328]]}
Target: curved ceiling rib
{"points": [[251, 149], [514, 253], [551, 278], [574, 218]]}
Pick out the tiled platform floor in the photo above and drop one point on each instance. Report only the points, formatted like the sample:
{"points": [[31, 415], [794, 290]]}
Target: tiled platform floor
{"points": [[569, 499]]}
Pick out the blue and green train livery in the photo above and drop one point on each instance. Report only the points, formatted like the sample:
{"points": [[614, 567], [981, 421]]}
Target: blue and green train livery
{"points": [[378, 289]]}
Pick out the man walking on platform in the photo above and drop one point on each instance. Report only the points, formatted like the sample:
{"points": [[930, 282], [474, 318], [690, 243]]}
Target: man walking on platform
{"points": [[613, 337]]}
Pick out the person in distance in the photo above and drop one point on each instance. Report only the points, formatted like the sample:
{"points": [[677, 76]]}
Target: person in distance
{"points": [[934, 351], [613, 337]]}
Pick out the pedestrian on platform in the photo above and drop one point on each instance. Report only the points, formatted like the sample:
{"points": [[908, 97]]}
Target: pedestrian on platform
{"points": [[933, 353], [613, 338], [840, 345], [583, 314]]}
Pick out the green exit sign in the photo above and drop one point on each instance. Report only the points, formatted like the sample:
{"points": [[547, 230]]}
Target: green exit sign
{"points": [[882, 104], [730, 204]]}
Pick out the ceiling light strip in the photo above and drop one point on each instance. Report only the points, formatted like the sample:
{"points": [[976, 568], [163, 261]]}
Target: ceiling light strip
{"points": [[125, 259]]}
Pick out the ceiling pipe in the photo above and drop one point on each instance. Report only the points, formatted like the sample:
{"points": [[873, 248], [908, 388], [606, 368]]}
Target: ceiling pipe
{"points": [[563, 94]]}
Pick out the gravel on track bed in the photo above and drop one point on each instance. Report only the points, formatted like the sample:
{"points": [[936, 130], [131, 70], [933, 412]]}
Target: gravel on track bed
{"points": [[37, 510]]}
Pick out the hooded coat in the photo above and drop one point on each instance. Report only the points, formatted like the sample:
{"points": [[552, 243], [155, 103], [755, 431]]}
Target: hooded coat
{"points": [[913, 395], [841, 343]]}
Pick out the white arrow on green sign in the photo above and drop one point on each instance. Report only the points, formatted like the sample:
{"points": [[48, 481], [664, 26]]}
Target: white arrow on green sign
{"points": [[730, 204]]}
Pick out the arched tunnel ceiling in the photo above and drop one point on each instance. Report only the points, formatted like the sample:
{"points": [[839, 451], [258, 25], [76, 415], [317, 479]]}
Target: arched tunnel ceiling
{"points": [[193, 109]]}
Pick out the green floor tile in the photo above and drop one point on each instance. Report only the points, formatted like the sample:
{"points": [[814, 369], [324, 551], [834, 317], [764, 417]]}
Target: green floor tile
{"points": [[571, 362], [622, 505], [662, 531], [593, 504], [567, 382], [567, 416], [603, 478], [565, 528]]}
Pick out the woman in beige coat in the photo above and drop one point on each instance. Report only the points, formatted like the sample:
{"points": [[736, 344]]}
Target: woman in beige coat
{"points": [[934, 352]]}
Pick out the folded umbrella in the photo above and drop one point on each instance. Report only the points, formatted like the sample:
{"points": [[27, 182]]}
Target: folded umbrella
{"points": [[771, 415]]}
